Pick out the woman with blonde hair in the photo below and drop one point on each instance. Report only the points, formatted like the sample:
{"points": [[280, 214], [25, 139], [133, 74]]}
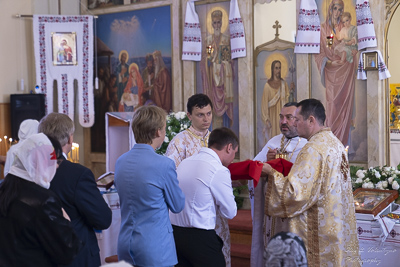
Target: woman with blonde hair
{"points": [[148, 188]]}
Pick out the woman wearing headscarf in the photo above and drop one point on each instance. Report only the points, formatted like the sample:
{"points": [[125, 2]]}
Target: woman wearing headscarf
{"points": [[33, 230], [26, 129]]}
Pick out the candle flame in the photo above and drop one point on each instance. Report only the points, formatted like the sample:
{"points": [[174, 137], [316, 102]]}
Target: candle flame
{"points": [[73, 155]]}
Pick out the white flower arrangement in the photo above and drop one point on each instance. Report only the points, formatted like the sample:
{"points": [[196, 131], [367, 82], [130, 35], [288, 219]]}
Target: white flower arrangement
{"points": [[176, 123], [384, 178]]}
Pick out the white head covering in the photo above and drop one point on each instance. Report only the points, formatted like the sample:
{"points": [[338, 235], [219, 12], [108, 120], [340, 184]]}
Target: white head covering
{"points": [[35, 160], [26, 129]]}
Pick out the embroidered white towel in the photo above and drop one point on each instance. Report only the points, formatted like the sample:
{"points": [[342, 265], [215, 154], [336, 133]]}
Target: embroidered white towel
{"points": [[382, 69], [238, 40], [309, 29], [49, 67], [365, 25], [191, 48]]}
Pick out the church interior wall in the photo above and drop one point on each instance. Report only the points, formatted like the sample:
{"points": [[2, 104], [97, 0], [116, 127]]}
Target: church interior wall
{"points": [[17, 52]]}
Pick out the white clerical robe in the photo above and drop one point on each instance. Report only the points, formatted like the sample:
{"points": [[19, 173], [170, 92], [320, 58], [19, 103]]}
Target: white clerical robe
{"points": [[186, 144], [317, 199], [265, 227]]}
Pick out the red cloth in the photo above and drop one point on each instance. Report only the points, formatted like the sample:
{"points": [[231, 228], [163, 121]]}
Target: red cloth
{"points": [[249, 169], [281, 165], [246, 170]]}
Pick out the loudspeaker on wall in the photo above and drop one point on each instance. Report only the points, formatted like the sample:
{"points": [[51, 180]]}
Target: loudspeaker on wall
{"points": [[23, 107]]}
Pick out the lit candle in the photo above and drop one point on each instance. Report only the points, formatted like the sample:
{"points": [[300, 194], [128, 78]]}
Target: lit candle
{"points": [[10, 140], [73, 154], [1, 150], [70, 155], [5, 143], [77, 153]]}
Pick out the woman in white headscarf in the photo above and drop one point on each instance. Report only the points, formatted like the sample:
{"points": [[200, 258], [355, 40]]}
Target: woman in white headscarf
{"points": [[26, 129], [33, 230]]}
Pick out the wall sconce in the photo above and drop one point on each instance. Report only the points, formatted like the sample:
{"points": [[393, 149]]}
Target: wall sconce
{"points": [[329, 41], [209, 50]]}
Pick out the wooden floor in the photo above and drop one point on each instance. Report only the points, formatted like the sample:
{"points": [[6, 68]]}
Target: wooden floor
{"points": [[241, 228]]}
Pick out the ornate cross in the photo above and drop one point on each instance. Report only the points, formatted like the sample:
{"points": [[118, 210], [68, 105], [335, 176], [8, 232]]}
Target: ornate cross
{"points": [[276, 27]]}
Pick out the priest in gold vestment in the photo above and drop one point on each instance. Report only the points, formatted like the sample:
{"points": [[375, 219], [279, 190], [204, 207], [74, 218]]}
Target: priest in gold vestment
{"points": [[316, 196]]}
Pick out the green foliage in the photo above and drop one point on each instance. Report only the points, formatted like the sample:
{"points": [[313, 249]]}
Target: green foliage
{"points": [[176, 123], [236, 192]]}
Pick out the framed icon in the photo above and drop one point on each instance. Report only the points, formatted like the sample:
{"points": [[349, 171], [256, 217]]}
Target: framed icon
{"points": [[370, 61], [64, 48], [373, 201]]}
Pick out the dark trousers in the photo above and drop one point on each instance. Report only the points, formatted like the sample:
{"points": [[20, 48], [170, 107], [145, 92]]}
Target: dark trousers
{"points": [[198, 247]]}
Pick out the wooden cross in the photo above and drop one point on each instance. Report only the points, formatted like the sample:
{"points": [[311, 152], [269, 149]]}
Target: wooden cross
{"points": [[276, 27]]}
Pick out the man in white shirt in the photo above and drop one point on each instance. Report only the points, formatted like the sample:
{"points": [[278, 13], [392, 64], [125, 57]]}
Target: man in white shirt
{"points": [[189, 142], [206, 182], [289, 142]]}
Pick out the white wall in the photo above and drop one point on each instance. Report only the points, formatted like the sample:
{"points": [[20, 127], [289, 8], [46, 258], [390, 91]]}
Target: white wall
{"points": [[14, 52], [265, 16], [393, 48], [16, 47]]}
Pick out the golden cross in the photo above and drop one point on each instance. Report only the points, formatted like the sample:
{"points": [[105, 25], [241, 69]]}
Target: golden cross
{"points": [[276, 27]]}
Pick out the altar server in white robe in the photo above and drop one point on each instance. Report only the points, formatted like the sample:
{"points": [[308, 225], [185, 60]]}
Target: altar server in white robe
{"points": [[265, 227]]}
